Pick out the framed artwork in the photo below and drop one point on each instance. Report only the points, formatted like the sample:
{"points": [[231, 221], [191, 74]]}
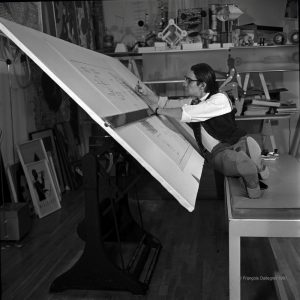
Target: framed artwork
{"points": [[42, 188], [69, 154], [69, 141], [18, 183], [31, 151], [54, 176], [48, 18], [48, 139], [5, 194], [291, 9]]}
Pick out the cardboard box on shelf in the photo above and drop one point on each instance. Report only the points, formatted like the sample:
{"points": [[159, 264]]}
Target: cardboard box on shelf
{"points": [[262, 35]]}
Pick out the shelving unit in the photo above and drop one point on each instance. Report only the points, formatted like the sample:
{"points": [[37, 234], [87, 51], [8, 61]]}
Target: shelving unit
{"points": [[260, 60], [169, 68], [164, 67]]}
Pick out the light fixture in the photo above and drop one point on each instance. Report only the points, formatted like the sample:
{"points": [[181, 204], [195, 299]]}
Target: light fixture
{"points": [[228, 12]]}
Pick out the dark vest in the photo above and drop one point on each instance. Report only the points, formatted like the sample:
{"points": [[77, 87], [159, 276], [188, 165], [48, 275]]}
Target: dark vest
{"points": [[222, 128]]}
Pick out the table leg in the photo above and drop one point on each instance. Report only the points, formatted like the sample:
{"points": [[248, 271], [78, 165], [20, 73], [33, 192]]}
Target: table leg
{"points": [[234, 265], [268, 132], [264, 85]]}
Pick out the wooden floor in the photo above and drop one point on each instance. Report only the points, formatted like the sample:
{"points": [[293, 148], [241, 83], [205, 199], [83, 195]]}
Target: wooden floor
{"points": [[193, 263]]}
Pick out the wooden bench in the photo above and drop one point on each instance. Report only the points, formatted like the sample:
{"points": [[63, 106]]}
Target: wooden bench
{"points": [[275, 215]]}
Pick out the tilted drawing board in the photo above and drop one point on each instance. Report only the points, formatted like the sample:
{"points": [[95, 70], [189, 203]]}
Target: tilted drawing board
{"points": [[103, 87]]}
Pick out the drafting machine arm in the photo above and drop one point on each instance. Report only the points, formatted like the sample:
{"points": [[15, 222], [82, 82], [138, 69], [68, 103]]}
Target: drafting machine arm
{"points": [[229, 85], [233, 84]]}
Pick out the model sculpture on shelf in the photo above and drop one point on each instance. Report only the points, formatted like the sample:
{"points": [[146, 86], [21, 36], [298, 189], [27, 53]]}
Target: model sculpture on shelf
{"points": [[172, 34]]}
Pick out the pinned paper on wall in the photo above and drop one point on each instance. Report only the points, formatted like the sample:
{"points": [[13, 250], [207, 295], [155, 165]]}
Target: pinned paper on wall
{"points": [[104, 87], [130, 21]]}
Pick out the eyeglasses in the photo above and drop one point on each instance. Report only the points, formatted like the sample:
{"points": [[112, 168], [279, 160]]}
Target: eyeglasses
{"points": [[188, 80]]}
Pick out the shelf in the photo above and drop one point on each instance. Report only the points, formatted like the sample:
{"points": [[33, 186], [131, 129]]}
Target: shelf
{"points": [[169, 66], [163, 81], [266, 58], [172, 81], [263, 117], [180, 50]]}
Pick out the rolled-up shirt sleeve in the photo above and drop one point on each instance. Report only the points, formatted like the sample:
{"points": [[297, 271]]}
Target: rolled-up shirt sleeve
{"points": [[216, 105], [162, 101], [165, 102]]}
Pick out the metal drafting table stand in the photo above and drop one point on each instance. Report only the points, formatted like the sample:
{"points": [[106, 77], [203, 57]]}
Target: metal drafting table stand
{"points": [[108, 222]]}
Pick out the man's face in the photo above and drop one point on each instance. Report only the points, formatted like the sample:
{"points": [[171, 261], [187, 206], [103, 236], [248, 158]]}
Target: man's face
{"points": [[191, 86]]}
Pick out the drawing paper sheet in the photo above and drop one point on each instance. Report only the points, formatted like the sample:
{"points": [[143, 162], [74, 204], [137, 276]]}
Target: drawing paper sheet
{"points": [[104, 87]]}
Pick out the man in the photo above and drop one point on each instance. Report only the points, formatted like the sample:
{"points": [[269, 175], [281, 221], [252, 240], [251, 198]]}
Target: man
{"points": [[211, 115]]}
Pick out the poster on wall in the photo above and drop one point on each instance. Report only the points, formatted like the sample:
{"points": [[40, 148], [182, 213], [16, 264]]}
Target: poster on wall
{"points": [[105, 88], [130, 21], [83, 10], [25, 13], [74, 22], [65, 19]]}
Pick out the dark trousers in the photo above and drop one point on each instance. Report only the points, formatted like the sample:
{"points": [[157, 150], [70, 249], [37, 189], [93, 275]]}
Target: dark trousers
{"points": [[234, 161]]}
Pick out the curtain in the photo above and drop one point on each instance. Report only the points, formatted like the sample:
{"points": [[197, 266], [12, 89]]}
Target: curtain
{"points": [[16, 106]]}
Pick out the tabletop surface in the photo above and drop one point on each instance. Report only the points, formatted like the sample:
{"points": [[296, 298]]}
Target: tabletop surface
{"points": [[280, 201]]}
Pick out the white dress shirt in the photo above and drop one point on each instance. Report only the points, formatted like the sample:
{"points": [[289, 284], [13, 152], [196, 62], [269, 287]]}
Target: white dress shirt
{"points": [[217, 105]]}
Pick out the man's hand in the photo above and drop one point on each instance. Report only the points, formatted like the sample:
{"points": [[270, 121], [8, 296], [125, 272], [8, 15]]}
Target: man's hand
{"points": [[140, 89], [155, 109]]}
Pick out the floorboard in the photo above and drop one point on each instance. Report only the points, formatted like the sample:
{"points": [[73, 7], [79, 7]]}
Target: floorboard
{"points": [[193, 263]]}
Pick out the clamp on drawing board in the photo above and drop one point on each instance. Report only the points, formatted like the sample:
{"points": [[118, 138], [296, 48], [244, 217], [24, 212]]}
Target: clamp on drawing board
{"points": [[123, 119]]}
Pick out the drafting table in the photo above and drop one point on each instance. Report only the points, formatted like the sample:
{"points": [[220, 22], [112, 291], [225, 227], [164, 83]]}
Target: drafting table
{"points": [[105, 89]]}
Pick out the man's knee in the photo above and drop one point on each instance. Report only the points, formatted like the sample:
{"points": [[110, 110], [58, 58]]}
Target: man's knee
{"points": [[245, 165], [254, 152]]}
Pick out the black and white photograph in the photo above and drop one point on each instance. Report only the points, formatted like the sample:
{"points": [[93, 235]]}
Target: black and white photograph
{"points": [[31, 151], [157, 143], [18, 183], [48, 138], [42, 188]]}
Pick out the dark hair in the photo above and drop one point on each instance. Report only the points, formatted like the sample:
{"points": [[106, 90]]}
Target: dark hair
{"points": [[204, 73]]}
